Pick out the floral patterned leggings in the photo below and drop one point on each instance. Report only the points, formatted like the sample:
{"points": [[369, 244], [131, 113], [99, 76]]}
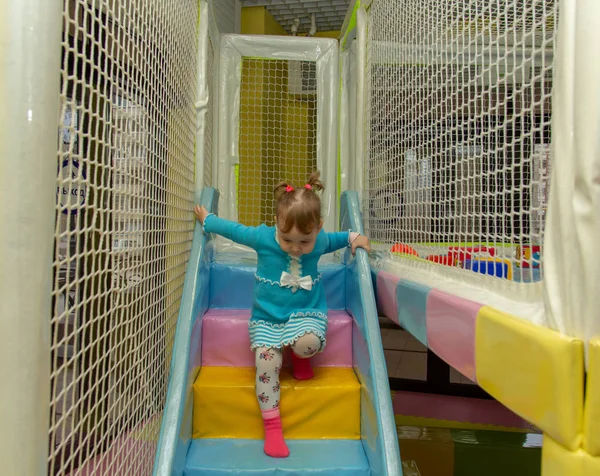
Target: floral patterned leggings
{"points": [[268, 366]]}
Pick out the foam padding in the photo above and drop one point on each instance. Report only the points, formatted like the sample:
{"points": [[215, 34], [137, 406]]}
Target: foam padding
{"points": [[591, 419], [387, 302], [225, 340], [412, 308], [559, 461], [327, 406], [451, 330], [534, 371], [225, 457], [232, 285]]}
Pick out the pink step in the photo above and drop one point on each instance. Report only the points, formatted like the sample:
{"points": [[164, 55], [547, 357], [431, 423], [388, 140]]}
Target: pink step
{"points": [[225, 341]]}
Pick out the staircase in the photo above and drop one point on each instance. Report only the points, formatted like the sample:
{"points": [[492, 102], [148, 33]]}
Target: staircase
{"points": [[321, 416], [338, 423]]}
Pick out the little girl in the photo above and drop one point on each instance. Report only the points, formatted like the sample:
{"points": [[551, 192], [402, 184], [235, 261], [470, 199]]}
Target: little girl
{"points": [[288, 307]]}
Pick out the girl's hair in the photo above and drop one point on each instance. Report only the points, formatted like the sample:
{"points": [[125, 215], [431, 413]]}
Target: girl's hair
{"points": [[299, 206]]}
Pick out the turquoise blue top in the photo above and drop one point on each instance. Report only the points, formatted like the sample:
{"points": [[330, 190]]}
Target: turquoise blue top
{"points": [[279, 309]]}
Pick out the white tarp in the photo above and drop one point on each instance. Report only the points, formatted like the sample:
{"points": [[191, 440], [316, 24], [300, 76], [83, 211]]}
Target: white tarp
{"points": [[352, 106], [208, 36], [347, 114], [572, 255]]}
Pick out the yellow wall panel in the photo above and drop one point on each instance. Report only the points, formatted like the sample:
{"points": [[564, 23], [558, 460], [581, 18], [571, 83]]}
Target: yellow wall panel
{"points": [[272, 27], [253, 21], [534, 371], [258, 21], [559, 461]]}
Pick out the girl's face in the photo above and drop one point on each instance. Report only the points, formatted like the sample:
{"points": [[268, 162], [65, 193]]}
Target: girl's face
{"points": [[296, 243]]}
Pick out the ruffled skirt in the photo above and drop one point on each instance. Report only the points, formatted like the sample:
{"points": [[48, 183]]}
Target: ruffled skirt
{"points": [[267, 334]]}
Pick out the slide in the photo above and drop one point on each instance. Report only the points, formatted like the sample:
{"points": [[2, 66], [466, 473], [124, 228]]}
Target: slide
{"points": [[339, 423]]}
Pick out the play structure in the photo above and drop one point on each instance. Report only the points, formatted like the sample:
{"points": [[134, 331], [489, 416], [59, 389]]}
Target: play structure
{"points": [[461, 137], [340, 422]]}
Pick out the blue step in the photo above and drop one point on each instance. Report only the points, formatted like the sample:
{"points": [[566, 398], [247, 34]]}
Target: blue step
{"points": [[229, 457]]}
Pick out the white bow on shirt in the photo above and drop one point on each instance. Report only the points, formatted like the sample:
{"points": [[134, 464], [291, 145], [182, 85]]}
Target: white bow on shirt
{"points": [[289, 281]]}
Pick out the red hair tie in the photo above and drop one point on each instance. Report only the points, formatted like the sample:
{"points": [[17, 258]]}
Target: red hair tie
{"points": [[308, 186], [289, 188]]}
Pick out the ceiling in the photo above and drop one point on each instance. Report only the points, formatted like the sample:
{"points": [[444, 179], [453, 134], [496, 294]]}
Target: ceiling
{"points": [[330, 14]]}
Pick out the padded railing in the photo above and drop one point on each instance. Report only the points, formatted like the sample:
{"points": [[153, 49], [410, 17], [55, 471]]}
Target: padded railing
{"points": [[379, 435], [176, 427]]}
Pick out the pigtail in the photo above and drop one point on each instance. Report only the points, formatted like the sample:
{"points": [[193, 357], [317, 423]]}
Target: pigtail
{"points": [[315, 182], [279, 190], [299, 207]]}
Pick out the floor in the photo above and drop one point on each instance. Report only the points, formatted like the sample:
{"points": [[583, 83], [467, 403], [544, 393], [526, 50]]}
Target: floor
{"points": [[406, 357]]}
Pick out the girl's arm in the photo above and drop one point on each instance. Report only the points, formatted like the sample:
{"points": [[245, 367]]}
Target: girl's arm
{"points": [[341, 239], [244, 235]]}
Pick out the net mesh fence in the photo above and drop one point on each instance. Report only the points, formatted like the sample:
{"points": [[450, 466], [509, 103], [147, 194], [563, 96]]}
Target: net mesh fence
{"points": [[277, 132], [211, 51], [457, 123], [124, 225]]}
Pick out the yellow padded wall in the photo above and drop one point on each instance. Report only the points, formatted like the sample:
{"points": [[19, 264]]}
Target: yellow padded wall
{"points": [[534, 371], [559, 461]]}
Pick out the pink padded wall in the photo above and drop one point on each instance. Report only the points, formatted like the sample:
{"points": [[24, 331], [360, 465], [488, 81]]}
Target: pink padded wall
{"points": [[451, 330]]}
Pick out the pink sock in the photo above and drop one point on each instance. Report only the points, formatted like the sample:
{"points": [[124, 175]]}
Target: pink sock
{"points": [[301, 368], [275, 446]]}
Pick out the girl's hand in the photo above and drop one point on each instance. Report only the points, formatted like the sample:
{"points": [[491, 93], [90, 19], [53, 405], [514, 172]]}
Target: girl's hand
{"points": [[361, 241], [201, 213]]}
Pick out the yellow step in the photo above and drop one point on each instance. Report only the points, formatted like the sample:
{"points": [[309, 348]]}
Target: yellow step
{"points": [[327, 406]]}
